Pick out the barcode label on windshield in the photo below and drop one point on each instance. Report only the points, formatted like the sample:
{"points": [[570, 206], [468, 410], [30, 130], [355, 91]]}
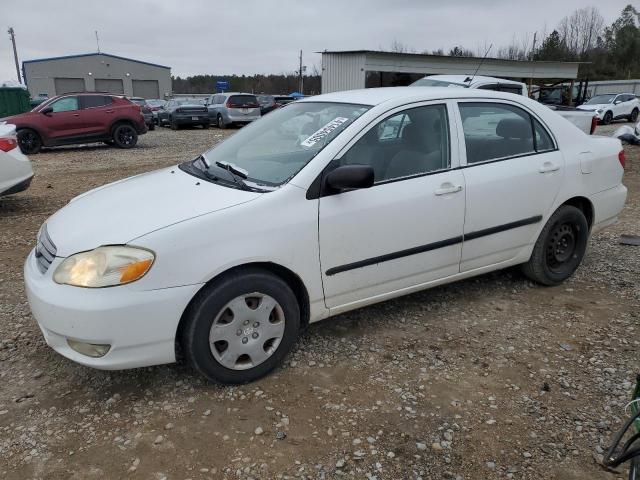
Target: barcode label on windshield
{"points": [[324, 131]]}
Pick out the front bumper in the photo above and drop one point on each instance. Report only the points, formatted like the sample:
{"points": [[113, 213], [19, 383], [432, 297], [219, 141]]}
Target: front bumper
{"points": [[21, 186], [139, 325]]}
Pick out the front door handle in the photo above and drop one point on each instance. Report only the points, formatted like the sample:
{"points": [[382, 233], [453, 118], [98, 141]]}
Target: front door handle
{"points": [[549, 167], [110, 111], [447, 188], [76, 114]]}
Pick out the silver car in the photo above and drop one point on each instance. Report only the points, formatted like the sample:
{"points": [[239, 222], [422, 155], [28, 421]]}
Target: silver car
{"points": [[232, 108]]}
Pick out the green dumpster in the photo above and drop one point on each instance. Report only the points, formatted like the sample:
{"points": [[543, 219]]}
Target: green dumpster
{"points": [[13, 101]]}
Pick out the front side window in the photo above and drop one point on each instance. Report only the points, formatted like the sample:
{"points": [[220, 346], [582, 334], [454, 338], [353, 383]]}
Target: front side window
{"points": [[600, 99], [412, 142], [66, 104], [493, 131], [275, 148]]}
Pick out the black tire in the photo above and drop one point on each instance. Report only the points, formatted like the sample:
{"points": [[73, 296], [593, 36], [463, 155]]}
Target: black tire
{"points": [[205, 308], [220, 122], [560, 247], [608, 118], [174, 125], [152, 126], [634, 115], [29, 141], [125, 136]]}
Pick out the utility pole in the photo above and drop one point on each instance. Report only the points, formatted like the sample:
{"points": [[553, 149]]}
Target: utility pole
{"points": [[97, 41], [300, 84], [12, 35]]}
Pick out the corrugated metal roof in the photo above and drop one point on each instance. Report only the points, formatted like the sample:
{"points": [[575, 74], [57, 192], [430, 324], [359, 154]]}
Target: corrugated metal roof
{"points": [[65, 57], [439, 56]]}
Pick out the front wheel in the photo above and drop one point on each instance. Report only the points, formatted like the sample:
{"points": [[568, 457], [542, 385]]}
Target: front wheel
{"points": [[221, 123], [241, 327], [125, 136], [29, 141], [608, 118], [634, 116], [559, 248]]}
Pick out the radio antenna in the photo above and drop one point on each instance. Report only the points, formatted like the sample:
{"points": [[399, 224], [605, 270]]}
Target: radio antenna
{"points": [[480, 64]]}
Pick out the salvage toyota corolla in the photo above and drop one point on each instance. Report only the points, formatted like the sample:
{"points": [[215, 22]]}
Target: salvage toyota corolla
{"points": [[326, 205]]}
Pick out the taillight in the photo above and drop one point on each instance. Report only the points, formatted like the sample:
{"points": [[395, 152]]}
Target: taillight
{"points": [[594, 124], [621, 158], [228, 105], [8, 143]]}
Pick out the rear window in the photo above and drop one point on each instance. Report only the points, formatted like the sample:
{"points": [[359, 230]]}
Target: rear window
{"points": [[93, 101], [243, 100]]}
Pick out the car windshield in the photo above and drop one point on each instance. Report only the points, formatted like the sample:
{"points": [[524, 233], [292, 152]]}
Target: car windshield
{"points": [[276, 147], [599, 99], [138, 101], [156, 103], [428, 82]]}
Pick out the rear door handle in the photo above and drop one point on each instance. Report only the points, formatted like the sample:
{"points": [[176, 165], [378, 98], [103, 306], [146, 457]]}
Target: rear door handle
{"points": [[110, 111], [76, 114], [548, 167], [447, 188]]}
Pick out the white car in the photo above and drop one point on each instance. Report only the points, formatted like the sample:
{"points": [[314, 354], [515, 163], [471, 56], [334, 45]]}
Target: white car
{"points": [[585, 122], [611, 106], [15, 168], [328, 204]]}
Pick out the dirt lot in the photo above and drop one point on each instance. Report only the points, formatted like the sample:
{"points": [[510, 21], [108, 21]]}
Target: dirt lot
{"points": [[493, 377]]}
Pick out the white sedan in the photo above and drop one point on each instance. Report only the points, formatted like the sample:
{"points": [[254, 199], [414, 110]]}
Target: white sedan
{"points": [[326, 205], [15, 168]]}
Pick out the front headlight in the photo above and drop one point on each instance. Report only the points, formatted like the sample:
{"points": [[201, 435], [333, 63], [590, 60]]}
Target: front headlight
{"points": [[599, 110], [104, 267]]}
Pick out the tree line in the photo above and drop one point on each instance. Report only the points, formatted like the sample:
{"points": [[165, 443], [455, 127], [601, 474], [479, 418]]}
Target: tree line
{"points": [[610, 52]]}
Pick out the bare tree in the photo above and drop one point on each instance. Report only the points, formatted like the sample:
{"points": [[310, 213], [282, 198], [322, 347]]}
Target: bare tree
{"points": [[518, 49], [399, 47], [580, 30]]}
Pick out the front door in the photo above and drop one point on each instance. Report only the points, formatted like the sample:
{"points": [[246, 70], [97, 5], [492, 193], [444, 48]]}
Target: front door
{"points": [[66, 120], [404, 231], [512, 178]]}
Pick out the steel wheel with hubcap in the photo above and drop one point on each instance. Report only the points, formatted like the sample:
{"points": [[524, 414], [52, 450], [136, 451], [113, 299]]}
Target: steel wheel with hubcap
{"points": [[559, 248], [241, 326], [247, 331]]}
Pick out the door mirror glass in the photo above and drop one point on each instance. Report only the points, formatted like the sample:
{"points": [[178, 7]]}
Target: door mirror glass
{"points": [[350, 177], [47, 110]]}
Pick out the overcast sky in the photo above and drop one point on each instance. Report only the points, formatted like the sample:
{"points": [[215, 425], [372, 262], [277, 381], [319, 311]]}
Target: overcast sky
{"points": [[261, 36]]}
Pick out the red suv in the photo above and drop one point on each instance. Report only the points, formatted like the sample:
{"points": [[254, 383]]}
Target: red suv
{"points": [[75, 118]]}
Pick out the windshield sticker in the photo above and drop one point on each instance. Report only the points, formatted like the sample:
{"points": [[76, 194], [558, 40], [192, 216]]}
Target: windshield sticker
{"points": [[324, 131]]}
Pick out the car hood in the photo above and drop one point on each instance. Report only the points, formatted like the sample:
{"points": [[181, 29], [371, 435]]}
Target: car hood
{"points": [[120, 212], [599, 106]]}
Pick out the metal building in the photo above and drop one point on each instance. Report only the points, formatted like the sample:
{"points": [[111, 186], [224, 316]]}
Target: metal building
{"points": [[46, 77], [614, 86], [348, 70]]}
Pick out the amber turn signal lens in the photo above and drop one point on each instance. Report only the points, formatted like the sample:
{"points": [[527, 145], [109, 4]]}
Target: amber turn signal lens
{"points": [[134, 271]]}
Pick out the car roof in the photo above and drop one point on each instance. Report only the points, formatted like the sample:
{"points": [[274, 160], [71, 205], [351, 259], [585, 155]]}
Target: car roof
{"points": [[376, 96], [475, 79]]}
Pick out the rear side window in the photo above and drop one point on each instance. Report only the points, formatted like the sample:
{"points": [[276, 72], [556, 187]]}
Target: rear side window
{"points": [[493, 131], [542, 138], [93, 101], [239, 101]]}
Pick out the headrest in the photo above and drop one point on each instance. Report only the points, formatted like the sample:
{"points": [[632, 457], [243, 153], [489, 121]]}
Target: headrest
{"points": [[514, 128], [412, 134]]}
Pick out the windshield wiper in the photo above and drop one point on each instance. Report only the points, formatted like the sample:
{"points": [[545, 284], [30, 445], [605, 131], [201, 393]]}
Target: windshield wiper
{"points": [[230, 167]]}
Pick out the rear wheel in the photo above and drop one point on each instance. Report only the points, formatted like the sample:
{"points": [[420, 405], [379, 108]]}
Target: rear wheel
{"points": [[634, 116], [221, 123], [608, 118], [559, 248], [174, 124], [125, 136], [29, 141], [152, 126], [241, 327]]}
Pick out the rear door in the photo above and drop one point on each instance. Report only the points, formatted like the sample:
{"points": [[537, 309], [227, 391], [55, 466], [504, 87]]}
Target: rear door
{"points": [[97, 112], [66, 121], [512, 178]]}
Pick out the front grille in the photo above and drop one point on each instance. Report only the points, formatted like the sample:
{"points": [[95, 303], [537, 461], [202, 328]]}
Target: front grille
{"points": [[45, 250]]}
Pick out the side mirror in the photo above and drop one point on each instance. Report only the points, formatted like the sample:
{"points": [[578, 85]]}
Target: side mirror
{"points": [[350, 177], [617, 102], [47, 110]]}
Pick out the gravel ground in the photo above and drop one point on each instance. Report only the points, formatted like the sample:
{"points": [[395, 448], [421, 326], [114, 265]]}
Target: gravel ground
{"points": [[492, 377]]}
